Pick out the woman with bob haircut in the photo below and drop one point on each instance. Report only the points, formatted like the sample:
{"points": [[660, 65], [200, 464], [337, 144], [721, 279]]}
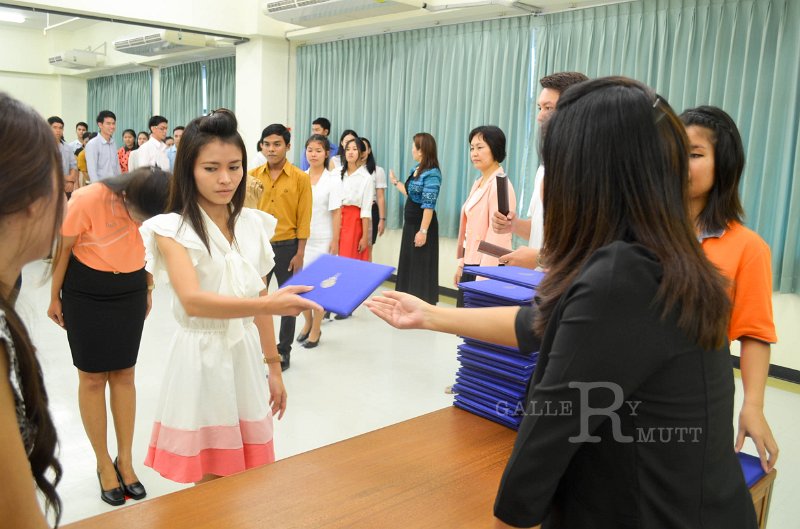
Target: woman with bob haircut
{"points": [[101, 294], [487, 150], [716, 162], [630, 311], [31, 212]]}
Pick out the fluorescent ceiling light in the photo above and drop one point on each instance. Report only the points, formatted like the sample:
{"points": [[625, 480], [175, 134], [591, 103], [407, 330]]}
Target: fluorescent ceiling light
{"points": [[12, 17]]}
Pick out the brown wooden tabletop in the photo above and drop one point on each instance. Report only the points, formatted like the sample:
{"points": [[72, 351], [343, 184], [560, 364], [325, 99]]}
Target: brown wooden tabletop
{"points": [[440, 470]]}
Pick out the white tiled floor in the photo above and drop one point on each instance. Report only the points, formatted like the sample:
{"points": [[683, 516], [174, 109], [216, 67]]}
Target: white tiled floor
{"points": [[363, 376]]}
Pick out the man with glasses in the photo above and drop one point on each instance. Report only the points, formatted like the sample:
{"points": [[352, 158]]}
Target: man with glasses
{"points": [[154, 151]]}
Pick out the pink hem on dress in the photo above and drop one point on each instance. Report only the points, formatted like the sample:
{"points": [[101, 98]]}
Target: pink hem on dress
{"points": [[217, 461]]}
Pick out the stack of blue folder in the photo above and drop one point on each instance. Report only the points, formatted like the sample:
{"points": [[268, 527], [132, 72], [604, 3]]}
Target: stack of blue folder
{"points": [[493, 379]]}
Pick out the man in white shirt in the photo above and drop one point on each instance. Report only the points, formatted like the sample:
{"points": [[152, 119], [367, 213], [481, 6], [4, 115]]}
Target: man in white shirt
{"points": [[154, 151], [80, 129], [172, 150], [69, 165], [532, 228], [101, 152]]}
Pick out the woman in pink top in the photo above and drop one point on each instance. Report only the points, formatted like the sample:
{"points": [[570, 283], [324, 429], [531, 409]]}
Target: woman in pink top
{"points": [[101, 295], [487, 150]]}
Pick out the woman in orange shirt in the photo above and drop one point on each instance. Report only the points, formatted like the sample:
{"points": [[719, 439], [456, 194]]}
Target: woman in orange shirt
{"points": [[716, 161], [101, 295]]}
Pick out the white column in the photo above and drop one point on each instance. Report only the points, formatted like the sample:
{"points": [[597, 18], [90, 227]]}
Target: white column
{"points": [[262, 86]]}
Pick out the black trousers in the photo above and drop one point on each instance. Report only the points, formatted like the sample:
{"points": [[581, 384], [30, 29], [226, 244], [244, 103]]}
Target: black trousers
{"points": [[284, 251]]}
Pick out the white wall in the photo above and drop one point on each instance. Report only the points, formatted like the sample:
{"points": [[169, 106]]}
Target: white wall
{"points": [[262, 86]]}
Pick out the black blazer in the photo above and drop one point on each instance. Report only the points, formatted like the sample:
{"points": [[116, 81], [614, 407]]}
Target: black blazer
{"points": [[661, 456]]}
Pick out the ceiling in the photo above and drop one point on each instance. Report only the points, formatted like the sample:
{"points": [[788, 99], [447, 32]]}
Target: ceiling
{"points": [[41, 21]]}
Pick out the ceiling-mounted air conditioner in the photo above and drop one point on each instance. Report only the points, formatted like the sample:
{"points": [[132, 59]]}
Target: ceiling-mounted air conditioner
{"points": [[160, 43], [311, 13], [74, 59]]}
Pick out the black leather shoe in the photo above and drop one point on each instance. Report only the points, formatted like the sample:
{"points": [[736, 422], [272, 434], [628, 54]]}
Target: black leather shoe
{"points": [[341, 317], [303, 336], [310, 345], [133, 490], [115, 497], [285, 361]]}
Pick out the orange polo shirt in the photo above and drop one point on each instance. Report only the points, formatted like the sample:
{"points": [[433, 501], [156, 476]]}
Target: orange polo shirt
{"points": [[744, 259], [107, 239], [288, 199]]}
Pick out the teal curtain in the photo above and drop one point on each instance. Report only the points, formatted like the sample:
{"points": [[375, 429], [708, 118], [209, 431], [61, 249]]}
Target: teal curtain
{"points": [[129, 96], [181, 93], [740, 55], [443, 80], [221, 83]]}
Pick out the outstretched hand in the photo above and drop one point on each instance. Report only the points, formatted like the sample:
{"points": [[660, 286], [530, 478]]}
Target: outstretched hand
{"points": [[400, 310], [286, 302]]}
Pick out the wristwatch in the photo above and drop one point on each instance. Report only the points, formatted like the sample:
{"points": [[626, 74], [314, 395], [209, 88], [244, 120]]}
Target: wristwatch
{"points": [[423, 231]]}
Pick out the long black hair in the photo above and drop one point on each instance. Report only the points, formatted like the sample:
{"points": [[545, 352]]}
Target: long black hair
{"points": [[145, 189], [27, 175], [616, 153], [219, 125], [724, 205], [370, 164], [361, 149], [326, 144], [345, 132]]}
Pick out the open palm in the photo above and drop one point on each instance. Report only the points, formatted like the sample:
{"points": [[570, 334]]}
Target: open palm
{"points": [[400, 310]]}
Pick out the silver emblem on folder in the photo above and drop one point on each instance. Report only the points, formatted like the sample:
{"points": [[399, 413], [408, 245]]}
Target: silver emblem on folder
{"points": [[331, 281]]}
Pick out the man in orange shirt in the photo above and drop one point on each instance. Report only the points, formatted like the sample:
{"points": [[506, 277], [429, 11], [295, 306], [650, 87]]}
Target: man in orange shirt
{"points": [[287, 197]]}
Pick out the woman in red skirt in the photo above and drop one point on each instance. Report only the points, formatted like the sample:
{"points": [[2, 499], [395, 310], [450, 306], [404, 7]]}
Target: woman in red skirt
{"points": [[357, 193]]}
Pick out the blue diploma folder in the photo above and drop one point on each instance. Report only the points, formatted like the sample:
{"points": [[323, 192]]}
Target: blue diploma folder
{"points": [[751, 467], [524, 277], [340, 284], [496, 292]]}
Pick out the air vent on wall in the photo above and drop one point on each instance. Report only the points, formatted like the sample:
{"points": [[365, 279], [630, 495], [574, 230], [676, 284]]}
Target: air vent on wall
{"points": [[160, 43], [311, 13], [74, 59]]}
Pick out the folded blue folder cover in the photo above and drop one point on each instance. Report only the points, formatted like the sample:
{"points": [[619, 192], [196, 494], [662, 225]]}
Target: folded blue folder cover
{"points": [[494, 289], [520, 363], [524, 277], [486, 412], [751, 467], [340, 284], [483, 377]]}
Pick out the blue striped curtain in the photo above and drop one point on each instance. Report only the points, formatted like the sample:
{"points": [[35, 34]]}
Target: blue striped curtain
{"points": [[129, 96], [740, 55], [181, 93], [442, 80], [221, 83]]}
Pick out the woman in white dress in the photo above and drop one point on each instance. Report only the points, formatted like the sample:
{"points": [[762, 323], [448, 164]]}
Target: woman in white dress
{"points": [[379, 201], [214, 415], [326, 220]]}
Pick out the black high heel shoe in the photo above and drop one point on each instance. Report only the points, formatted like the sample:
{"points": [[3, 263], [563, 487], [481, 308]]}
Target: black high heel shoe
{"points": [[303, 336], [310, 345], [115, 497], [134, 490]]}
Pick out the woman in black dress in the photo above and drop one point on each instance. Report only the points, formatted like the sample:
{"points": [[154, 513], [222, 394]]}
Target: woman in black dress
{"points": [[418, 267], [630, 324]]}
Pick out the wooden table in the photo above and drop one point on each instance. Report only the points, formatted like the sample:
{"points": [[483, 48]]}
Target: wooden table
{"points": [[438, 470]]}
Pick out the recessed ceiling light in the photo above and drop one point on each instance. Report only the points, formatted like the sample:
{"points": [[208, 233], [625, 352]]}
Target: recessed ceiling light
{"points": [[12, 17]]}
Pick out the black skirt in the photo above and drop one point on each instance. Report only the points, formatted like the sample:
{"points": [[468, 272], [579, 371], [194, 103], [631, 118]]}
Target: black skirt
{"points": [[418, 268], [104, 316]]}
